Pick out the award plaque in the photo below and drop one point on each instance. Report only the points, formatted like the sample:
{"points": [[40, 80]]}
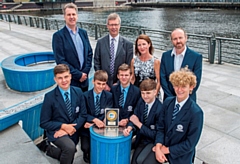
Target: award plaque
{"points": [[112, 117], [111, 131]]}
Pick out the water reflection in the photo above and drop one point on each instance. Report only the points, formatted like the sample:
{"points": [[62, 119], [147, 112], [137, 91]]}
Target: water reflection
{"points": [[225, 23]]}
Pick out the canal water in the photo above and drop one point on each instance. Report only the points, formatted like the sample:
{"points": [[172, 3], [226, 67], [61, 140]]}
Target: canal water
{"points": [[224, 23]]}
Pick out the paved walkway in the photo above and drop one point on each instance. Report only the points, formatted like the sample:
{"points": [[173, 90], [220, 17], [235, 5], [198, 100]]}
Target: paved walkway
{"points": [[218, 95]]}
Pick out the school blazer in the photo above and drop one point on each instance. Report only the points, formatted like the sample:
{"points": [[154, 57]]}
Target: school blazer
{"points": [[181, 135], [105, 102], [132, 98], [148, 131], [54, 112]]}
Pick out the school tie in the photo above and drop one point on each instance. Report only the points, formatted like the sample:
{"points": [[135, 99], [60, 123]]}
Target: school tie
{"points": [[112, 57], [175, 111], [68, 104], [145, 114], [121, 99], [97, 106]]}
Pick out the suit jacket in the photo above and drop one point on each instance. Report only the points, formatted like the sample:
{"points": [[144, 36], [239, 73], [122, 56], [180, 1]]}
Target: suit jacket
{"points": [[132, 98], [181, 135], [194, 62], [102, 56], [105, 102], [54, 112], [148, 131], [66, 53]]}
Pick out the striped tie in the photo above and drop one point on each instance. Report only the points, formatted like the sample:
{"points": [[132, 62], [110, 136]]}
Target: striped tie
{"points": [[175, 111], [112, 57], [121, 99], [68, 104], [145, 114], [97, 106]]}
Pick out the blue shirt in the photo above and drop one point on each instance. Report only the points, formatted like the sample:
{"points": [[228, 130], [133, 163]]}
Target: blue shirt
{"points": [[125, 92], [95, 96], [78, 45], [62, 93]]}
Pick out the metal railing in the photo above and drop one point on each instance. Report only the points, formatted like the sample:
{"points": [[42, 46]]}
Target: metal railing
{"points": [[227, 49]]}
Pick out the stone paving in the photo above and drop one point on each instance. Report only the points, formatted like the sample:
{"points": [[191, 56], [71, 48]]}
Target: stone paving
{"points": [[218, 96]]}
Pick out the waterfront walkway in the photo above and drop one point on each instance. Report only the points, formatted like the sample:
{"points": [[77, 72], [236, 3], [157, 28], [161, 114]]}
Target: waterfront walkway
{"points": [[218, 95]]}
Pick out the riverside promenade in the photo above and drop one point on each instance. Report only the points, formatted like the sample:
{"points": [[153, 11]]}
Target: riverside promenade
{"points": [[218, 96]]}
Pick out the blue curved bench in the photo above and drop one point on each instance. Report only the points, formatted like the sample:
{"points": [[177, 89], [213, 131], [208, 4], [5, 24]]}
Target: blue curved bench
{"points": [[29, 72]]}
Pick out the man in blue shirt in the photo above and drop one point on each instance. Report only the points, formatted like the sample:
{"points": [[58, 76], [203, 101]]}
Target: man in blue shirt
{"points": [[71, 46]]}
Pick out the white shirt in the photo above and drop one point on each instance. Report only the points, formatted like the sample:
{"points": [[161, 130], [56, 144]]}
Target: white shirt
{"points": [[150, 106], [181, 103], [178, 58]]}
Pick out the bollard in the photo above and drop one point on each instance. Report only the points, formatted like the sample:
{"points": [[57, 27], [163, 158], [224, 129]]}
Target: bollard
{"points": [[212, 49]]}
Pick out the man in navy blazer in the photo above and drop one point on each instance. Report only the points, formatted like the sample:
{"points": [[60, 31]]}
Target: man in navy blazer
{"points": [[63, 113], [123, 50], [144, 120], [180, 56], [131, 94], [71, 46], [95, 113], [180, 123]]}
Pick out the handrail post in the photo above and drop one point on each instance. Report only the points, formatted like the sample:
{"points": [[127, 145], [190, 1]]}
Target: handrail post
{"points": [[46, 24], [31, 22], [212, 49], [14, 20], [9, 18], [19, 20], [25, 20], [219, 51], [96, 31], [56, 23]]}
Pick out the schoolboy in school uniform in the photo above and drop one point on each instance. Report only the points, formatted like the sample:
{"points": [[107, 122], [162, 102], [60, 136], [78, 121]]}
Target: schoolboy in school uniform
{"points": [[97, 99], [180, 125], [144, 120], [125, 95]]}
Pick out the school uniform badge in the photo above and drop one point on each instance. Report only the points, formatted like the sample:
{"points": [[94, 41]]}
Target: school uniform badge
{"points": [[130, 109], [102, 111], [179, 128], [77, 109]]}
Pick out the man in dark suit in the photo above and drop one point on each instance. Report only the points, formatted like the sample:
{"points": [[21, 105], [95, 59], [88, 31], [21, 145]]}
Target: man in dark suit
{"points": [[125, 91], [96, 101], [180, 56], [71, 46], [63, 113], [180, 123], [144, 121], [112, 50]]}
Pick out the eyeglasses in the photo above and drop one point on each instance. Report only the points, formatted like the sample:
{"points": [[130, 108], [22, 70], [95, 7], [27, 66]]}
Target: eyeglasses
{"points": [[113, 25]]}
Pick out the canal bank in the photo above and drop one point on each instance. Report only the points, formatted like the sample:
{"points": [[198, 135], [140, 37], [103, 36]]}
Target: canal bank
{"points": [[218, 96]]}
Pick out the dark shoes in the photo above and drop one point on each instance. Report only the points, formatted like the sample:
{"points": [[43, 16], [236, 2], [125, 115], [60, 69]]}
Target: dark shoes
{"points": [[43, 145], [86, 157]]}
